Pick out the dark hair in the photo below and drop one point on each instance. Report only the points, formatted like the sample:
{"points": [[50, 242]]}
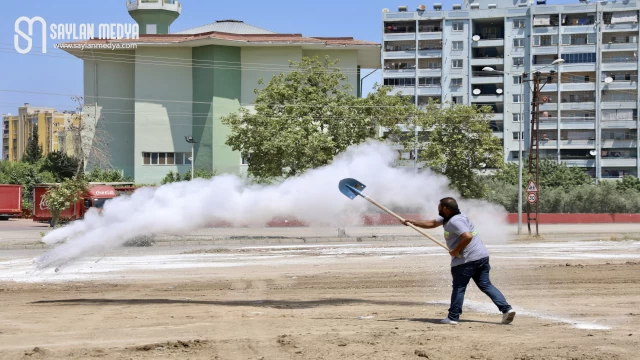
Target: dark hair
{"points": [[450, 203]]}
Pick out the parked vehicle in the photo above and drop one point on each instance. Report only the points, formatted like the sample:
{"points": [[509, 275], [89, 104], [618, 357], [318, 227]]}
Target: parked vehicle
{"points": [[10, 201]]}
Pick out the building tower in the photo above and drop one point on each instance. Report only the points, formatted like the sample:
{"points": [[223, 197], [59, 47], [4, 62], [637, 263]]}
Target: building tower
{"points": [[154, 16]]}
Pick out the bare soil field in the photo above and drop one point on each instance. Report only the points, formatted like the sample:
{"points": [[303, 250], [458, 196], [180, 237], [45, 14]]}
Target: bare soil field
{"points": [[353, 300]]}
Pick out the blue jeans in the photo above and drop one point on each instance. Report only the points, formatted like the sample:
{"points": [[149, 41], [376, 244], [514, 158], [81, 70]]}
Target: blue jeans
{"points": [[478, 271]]}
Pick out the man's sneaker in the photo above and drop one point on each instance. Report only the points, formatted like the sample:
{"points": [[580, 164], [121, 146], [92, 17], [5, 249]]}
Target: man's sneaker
{"points": [[507, 317], [448, 321]]}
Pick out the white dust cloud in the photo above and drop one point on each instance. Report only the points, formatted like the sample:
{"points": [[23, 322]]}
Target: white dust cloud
{"points": [[313, 198]]}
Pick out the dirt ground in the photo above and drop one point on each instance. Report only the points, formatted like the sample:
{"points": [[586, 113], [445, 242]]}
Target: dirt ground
{"points": [[575, 300]]}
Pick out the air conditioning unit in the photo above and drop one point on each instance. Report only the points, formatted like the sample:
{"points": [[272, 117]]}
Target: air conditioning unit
{"points": [[402, 9], [475, 6], [492, 6], [437, 6]]}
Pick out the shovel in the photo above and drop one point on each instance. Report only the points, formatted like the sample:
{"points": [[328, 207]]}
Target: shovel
{"points": [[352, 188]]}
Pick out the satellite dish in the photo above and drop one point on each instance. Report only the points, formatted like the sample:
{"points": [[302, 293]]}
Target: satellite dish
{"points": [[592, 153], [385, 10], [608, 80], [422, 7], [476, 91], [475, 37], [498, 91], [190, 158]]}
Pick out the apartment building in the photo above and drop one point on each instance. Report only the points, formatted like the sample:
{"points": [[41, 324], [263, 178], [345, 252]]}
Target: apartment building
{"points": [[476, 52], [52, 131]]}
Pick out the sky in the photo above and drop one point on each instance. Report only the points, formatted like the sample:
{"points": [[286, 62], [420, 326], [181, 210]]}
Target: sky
{"points": [[58, 72]]}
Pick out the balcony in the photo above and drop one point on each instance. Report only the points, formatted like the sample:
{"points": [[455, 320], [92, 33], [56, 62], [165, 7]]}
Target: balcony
{"points": [[545, 30], [620, 62], [496, 117], [487, 80], [618, 124], [402, 68], [584, 86], [575, 123], [619, 143], [578, 67], [621, 85], [578, 143], [620, 46], [487, 98], [430, 53], [487, 43], [620, 27], [578, 162], [487, 61], [548, 144], [171, 5], [402, 30], [548, 123], [429, 30], [544, 50], [429, 90], [550, 87], [622, 162], [405, 54], [404, 90]]}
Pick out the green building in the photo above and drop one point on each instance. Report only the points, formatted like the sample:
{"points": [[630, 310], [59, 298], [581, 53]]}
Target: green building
{"points": [[149, 93]]}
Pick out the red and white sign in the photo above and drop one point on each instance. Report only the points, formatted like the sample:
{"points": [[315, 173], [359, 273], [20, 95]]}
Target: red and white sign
{"points": [[532, 187], [532, 198]]}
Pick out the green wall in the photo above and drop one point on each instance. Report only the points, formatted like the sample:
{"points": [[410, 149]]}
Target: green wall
{"points": [[216, 93], [162, 19]]}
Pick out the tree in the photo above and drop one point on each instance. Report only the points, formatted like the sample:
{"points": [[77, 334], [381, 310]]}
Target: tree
{"points": [[628, 182], [33, 152], [303, 118], [61, 165], [458, 143], [89, 139], [100, 175], [61, 197], [552, 175], [171, 177]]}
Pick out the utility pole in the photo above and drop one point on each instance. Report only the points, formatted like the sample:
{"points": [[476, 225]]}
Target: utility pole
{"points": [[534, 154]]}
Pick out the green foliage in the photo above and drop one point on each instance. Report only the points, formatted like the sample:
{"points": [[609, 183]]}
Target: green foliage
{"points": [[61, 165], [628, 183], [27, 175], [99, 175], [63, 196], [458, 144], [198, 173], [303, 118], [33, 152], [552, 175]]}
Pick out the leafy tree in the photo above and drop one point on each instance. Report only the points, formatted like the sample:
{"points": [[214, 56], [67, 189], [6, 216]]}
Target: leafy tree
{"points": [[171, 177], [61, 165], [198, 173], [627, 183], [552, 174], [100, 175], [457, 144], [303, 118], [63, 196], [33, 152]]}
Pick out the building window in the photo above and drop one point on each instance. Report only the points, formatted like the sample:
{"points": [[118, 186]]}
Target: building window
{"points": [[579, 58], [245, 159], [457, 99], [515, 155], [545, 40], [515, 135], [516, 117], [517, 80], [458, 26], [163, 158], [457, 45], [429, 82], [519, 23], [456, 82], [518, 61], [516, 98], [400, 82], [518, 42], [456, 63]]}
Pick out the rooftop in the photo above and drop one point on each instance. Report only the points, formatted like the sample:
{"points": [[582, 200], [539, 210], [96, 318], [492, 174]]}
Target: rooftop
{"points": [[227, 26]]}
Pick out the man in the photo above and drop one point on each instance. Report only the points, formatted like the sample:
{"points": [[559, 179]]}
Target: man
{"points": [[469, 259]]}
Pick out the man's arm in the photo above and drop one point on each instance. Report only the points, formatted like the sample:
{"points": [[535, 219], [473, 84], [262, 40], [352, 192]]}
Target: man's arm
{"points": [[425, 224], [465, 239]]}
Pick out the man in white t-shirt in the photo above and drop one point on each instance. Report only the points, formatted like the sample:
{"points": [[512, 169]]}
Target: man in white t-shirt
{"points": [[469, 259]]}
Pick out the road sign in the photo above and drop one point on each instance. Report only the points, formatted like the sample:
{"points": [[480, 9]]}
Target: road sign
{"points": [[532, 198], [532, 187]]}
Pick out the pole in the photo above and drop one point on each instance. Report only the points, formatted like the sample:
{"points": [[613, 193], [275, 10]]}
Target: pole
{"points": [[193, 158], [534, 170], [362, 81], [520, 156]]}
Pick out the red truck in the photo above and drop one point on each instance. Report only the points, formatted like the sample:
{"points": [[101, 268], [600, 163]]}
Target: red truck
{"points": [[95, 196], [10, 201]]}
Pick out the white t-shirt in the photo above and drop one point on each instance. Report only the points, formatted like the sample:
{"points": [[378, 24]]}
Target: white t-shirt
{"points": [[456, 226]]}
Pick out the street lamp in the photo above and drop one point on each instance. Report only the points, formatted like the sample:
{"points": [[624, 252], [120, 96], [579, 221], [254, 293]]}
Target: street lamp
{"points": [[190, 140], [520, 137]]}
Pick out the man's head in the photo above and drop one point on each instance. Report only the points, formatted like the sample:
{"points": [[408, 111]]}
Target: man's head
{"points": [[448, 207]]}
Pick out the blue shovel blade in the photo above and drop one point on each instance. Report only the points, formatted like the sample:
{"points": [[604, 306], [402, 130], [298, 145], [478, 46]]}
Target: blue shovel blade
{"points": [[351, 187]]}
